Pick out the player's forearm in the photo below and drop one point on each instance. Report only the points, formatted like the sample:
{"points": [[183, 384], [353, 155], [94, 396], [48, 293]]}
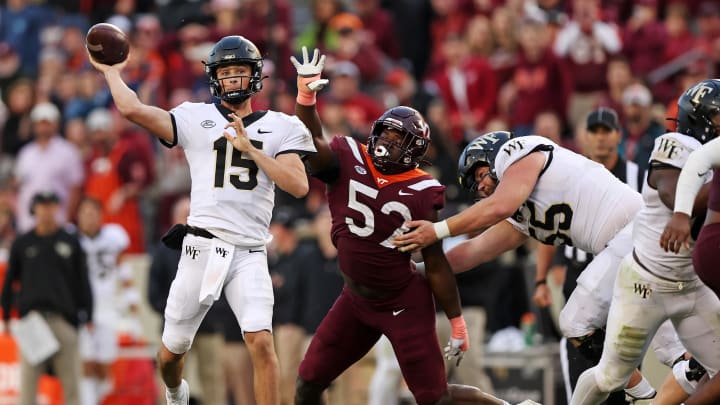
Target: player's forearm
{"points": [[324, 156], [544, 258], [289, 178], [462, 257], [478, 216], [125, 99], [154, 119], [309, 116], [444, 288]]}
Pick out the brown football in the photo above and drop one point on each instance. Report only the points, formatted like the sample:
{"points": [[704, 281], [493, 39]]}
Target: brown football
{"points": [[107, 43]]}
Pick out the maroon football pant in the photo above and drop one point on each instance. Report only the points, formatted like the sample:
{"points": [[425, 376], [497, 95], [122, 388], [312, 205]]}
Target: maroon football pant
{"points": [[706, 256], [354, 324]]}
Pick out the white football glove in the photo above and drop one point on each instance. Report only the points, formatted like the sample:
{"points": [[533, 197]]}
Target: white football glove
{"points": [[453, 350], [311, 68]]}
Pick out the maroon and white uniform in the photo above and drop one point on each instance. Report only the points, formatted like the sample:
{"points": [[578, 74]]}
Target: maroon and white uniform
{"points": [[368, 210]]}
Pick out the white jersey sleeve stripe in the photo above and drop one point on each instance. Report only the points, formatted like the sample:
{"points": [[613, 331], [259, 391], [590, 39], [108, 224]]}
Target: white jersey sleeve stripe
{"points": [[354, 148], [694, 175], [422, 185]]}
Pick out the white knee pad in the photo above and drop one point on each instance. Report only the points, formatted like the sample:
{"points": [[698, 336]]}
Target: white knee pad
{"points": [[565, 323], [583, 313], [176, 342], [588, 389]]}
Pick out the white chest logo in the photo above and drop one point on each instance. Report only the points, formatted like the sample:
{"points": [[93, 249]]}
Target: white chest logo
{"points": [[360, 170], [63, 249], [208, 124]]}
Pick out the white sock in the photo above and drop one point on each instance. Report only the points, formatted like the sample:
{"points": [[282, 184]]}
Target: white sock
{"points": [[88, 391], [642, 390], [175, 390], [104, 388], [587, 391]]}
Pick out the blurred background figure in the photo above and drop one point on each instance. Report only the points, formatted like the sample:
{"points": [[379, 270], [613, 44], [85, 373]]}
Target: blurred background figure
{"points": [[117, 174], [113, 295], [640, 127], [286, 261], [586, 44], [61, 170], [50, 266]]}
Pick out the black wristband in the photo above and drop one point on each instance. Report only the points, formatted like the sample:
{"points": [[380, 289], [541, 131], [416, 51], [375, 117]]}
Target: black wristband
{"points": [[540, 282]]}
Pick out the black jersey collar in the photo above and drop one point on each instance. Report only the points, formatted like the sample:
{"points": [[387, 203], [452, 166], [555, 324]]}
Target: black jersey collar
{"points": [[247, 120]]}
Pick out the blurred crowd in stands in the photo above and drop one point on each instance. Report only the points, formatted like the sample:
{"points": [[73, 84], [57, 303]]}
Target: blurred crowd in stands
{"points": [[470, 66]]}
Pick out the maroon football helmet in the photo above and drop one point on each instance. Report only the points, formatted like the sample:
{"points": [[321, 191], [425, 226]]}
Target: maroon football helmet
{"points": [[415, 141]]}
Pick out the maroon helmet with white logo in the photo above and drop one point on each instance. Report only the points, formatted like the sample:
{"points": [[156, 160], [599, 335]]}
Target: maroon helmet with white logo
{"points": [[413, 146]]}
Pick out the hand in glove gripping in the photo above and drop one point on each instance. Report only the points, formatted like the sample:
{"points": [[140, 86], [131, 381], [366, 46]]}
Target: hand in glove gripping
{"points": [[309, 71], [459, 340]]}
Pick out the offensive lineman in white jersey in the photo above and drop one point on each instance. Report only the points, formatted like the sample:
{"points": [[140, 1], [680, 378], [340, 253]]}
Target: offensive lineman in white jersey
{"points": [[654, 285], [533, 188], [233, 173], [103, 245]]}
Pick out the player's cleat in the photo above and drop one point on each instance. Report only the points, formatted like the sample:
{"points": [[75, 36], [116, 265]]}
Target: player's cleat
{"points": [[181, 397], [644, 397]]}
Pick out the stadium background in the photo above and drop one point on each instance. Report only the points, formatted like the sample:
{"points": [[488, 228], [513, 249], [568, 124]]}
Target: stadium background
{"points": [[470, 66]]}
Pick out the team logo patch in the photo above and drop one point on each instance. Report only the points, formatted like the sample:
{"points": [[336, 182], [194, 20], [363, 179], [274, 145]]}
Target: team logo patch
{"points": [[208, 124], [360, 169], [63, 249], [643, 290], [192, 251]]}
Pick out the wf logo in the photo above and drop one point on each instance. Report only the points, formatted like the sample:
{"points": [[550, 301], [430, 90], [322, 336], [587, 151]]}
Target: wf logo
{"points": [[221, 251], [642, 290], [191, 251], [516, 144]]}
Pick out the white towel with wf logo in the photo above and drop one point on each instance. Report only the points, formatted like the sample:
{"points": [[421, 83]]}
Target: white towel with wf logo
{"points": [[218, 264]]}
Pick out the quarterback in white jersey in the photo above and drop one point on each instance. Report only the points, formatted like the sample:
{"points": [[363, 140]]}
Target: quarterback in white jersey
{"points": [[111, 288], [236, 157], [654, 285], [230, 197]]}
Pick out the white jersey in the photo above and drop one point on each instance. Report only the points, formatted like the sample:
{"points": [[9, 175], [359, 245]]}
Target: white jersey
{"points": [[230, 196], [671, 149], [102, 253], [576, 201]]}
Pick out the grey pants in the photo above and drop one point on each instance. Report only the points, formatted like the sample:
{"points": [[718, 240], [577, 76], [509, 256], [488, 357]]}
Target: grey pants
{"points": [[65, 364]]}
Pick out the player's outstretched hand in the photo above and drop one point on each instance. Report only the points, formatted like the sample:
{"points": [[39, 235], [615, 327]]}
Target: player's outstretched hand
{"points": [[240, 140], [676, 233], [422, 236], [309, 71], [459, 341]]}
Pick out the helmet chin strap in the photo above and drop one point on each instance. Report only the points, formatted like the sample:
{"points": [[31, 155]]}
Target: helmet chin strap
{"points": [[236, 100]]}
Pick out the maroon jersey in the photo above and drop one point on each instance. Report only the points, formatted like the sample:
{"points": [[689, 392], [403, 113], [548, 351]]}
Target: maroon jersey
{"points": [[714, 197], [369, 209]]}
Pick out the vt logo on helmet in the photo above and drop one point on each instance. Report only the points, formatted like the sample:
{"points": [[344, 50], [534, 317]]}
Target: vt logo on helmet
{"points": [[482, 151], [396, 154], [699, 111], [234, 50]]}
